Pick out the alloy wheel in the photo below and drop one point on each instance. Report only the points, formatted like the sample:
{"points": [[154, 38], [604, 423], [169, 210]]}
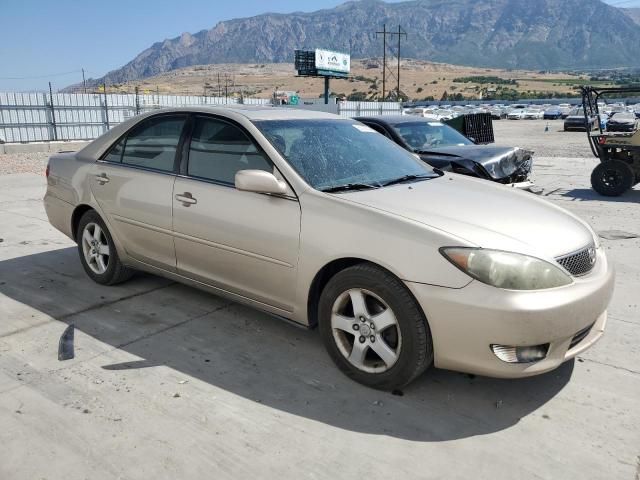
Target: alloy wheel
{"points": [[366, 330], [95, 247]]}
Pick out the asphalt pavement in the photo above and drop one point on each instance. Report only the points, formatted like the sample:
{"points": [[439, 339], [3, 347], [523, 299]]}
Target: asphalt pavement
{"points": [[170, 382]]}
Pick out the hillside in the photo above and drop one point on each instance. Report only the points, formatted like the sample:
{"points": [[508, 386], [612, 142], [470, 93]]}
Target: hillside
{"points": [[419, 79], [633, 14], [541, 34]]}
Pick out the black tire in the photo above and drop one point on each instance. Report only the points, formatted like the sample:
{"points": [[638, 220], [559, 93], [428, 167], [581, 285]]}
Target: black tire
{"points": [[612, 178], [115, 272], [416, 349]]}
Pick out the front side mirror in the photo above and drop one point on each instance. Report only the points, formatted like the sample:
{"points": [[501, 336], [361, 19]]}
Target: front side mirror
{"points": [[259, 181]]}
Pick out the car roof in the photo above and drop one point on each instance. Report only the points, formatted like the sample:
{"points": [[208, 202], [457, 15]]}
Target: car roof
{"points": [[251, 112], [255, 112]]}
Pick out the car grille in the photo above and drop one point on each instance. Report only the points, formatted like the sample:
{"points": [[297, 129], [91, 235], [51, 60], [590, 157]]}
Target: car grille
{"points": [[580, 262], [581, 335]]}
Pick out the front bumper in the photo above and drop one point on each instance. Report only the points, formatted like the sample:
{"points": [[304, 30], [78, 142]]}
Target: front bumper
{"points": [[465, 322]]}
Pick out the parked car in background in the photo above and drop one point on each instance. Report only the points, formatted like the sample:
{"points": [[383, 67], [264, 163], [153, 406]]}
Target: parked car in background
{"points": [[517, 114], [532, 114], [565, 108], [426, 112], [622, 122], [320, 220], [443, 147], [553, 113], [498, 113], [577, 121]]}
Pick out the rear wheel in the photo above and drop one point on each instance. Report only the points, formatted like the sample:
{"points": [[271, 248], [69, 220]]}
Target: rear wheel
{"points": [[373, 329], [98, 253], [612, 178]]}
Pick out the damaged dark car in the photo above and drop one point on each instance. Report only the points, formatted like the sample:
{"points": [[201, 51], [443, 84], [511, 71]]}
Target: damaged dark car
{"points": [[443, 147]]}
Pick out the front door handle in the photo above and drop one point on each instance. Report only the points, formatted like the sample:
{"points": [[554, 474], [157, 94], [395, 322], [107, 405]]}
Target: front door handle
{"points": [[186, 198], [102, 178]]}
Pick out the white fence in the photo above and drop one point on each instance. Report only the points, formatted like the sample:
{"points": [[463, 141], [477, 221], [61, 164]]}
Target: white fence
{"points": [[37, 117], [369, 109]]}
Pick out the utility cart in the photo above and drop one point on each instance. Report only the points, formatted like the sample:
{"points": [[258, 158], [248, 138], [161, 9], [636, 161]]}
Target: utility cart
{"points": [[619, 153]]}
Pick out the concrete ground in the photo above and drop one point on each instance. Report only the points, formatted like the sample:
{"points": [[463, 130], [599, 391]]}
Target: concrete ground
{"points": [[169, 382]]}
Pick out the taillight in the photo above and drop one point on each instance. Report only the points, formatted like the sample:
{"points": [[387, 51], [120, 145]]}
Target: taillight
{"points": [[46, 172], [602, 140]]}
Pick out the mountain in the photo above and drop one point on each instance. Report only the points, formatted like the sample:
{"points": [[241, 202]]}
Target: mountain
{"points": [[530, 34], [632, 13]]}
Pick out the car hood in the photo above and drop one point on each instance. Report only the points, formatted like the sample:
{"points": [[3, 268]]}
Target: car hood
{"points": [[482, 213], [499, 162], [622, 121]]}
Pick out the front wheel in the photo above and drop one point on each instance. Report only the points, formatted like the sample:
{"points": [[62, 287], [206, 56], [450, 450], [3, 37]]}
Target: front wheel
{"points": [[612, 178], [373, 328], [98, 253]]}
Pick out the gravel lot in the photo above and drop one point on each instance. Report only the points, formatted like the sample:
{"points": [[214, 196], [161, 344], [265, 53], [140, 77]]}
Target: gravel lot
{"points": [[170, 382], [23, 163], [530, 134]]}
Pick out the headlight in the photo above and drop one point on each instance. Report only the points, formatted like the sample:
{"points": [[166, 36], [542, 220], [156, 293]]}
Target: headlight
{"points": [[508, 270]]}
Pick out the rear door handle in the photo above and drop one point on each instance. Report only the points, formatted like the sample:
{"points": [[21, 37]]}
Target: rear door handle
{"points": [[186, 198], [102, 178]]}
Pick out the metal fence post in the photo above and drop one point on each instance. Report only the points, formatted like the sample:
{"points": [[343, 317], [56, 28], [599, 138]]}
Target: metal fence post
{"points": [[53, 114], [137, 103], [106, 107]]}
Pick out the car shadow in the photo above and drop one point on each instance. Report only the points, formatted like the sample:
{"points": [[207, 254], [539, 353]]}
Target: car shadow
{"points": [[259, 357], [587, 194]]}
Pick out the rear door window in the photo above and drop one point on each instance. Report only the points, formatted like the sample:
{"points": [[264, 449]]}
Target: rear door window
{"points": [[154, 143]]}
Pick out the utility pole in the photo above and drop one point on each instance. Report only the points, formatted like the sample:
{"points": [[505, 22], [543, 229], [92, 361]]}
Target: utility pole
{"points": [[400, 33], [384, 58], [84, 82]]}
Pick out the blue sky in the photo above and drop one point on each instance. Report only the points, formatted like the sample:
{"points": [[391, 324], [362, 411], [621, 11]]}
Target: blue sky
{"points": [[54, 39]]}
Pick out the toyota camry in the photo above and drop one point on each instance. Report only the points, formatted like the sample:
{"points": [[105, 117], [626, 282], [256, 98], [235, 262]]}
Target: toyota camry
{"points": [[321, 221]]}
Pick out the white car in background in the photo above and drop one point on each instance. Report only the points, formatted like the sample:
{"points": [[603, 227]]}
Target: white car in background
{"points": [[532, 114], [424, 112], [516, 114]]}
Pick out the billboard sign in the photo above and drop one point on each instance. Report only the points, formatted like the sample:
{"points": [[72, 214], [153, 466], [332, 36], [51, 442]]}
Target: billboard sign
{"points": [[330, 61]]}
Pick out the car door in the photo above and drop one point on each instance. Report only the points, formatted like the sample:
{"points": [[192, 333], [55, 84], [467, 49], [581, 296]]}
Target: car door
{"points": [[243, 242], [133, 184]]}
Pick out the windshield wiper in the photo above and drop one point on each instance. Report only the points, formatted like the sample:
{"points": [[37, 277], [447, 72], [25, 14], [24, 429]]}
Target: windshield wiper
{"points": [[406, 178], [349, 186]]}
